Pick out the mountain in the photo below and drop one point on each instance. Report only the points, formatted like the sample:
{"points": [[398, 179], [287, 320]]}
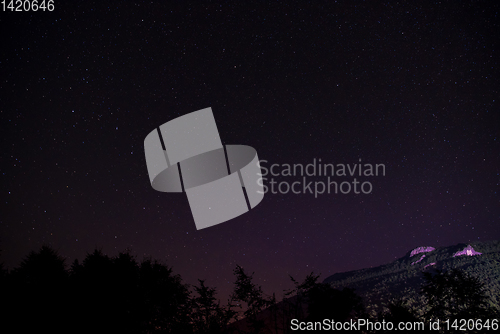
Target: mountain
{"points": [[397, 281], [403, 278]]}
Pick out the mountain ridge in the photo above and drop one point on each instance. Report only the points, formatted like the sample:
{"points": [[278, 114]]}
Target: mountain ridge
{"points": [[400, 280], [403, 278]]}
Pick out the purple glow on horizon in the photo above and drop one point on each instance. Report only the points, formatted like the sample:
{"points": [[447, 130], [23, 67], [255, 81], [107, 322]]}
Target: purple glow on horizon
{"points": [[421, 250], [467, 251]]}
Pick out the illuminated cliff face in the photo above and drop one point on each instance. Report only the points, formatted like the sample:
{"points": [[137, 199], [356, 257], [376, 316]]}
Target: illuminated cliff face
{"points": [[418, 260], [430, 264], [421, 250], [469, 251]]}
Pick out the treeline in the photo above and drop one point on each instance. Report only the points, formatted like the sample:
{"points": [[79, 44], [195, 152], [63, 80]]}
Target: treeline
{"points": [[121, 295]]}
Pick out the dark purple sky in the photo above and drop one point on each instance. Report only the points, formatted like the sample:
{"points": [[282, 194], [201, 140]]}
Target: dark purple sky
{"points": [[414, 88]]}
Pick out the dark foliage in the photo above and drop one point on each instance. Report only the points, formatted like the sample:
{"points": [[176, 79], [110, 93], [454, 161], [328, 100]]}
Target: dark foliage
{"points": [[325, 302], [120, 295], [448, 296], [36, 291], [208, 316], [247, 292], [456, 295], [300, 292], [311, 301], [101, 295], [398, 311]]}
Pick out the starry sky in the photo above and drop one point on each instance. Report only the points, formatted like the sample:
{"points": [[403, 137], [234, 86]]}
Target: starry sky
{"points": [[412, 86]]}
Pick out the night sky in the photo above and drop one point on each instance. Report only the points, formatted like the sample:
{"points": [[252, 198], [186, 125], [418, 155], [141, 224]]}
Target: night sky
{"points": [[412, 86]]}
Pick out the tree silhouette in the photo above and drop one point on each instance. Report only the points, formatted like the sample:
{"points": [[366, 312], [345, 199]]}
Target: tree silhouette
{"points": [[101, 295], [42, 268], [208, 316], [37, 291], [321, 301], [455, 295], [298, 294], [325, 302], [398, 312], [249, 293], [3, 271], [120, 295], [165, 299], [94, 288]]}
